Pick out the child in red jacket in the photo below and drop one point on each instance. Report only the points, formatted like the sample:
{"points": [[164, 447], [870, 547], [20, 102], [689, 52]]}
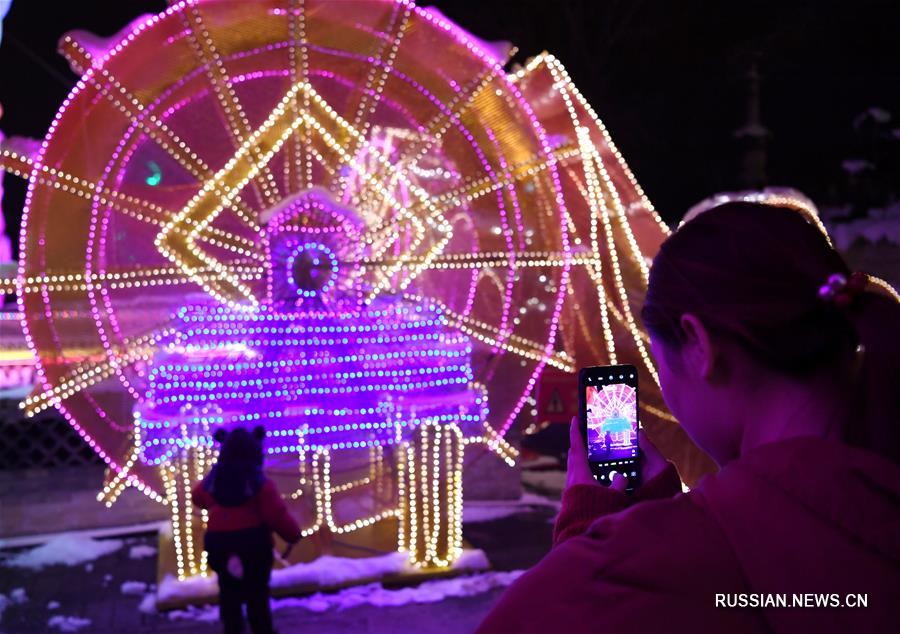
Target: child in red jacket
{"points": [[244, 508]]}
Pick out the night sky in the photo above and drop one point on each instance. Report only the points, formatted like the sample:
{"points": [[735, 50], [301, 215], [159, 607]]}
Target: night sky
{"points": [[668, 78]]}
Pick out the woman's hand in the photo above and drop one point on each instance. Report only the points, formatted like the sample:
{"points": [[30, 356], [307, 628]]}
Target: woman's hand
{"points": [[578, 470], [652, 461]]}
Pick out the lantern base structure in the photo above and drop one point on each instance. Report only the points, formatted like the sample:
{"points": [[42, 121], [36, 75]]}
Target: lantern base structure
{"points": [[350, 563], [409, 499]]}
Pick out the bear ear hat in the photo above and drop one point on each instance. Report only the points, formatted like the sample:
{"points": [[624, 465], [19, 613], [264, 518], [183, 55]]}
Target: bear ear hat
{"points": [[220, 435], [259, 432]]}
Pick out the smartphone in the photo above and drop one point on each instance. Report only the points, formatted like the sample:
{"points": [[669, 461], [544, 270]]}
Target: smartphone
{"points": [[608, 405]]}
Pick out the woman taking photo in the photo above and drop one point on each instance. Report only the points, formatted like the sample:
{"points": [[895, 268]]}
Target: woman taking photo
{"points": [[784, 366]]}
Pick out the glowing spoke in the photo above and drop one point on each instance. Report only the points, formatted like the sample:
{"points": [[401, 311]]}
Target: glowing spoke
{"points": [[24, 167], [490, 335], [90, 373], [238, 124], [135, 111], [299, 66], [434, 215], [375, 80], [438, 126], [119, 279], [482, 260], [257, 151], [474, 189]]}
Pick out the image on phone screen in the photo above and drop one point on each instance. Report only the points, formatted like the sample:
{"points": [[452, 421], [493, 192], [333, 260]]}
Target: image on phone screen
{"points": [[612, 422]]}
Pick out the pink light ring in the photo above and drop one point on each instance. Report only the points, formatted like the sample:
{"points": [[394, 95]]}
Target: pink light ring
{"points": [[505, 330], [564, 276], [138, 26], [91, 287], [542, 137], [320, 72], [128, 138], [511, 188], [21, 272], [475, 248], [24, 233], [105, 214], [460, 35], [332, 260]]}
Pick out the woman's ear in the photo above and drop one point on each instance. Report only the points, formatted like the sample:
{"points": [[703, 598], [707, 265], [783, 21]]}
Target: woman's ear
{"points": [[220, 435], [259, 432], [698, 351]]}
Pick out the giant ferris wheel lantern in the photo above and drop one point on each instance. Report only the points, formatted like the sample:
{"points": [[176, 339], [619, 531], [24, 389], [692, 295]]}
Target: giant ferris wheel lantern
{"points": [[343, 221]]}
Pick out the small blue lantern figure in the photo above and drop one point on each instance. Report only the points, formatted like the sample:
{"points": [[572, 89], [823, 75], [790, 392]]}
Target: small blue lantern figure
{"points": [[325, 369]]}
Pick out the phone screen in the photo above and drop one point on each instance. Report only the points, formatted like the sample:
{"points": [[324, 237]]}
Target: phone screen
{"points": [[610, 421]]}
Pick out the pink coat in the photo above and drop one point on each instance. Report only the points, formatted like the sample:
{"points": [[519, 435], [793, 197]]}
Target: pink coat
{"points": [[798, 516]]}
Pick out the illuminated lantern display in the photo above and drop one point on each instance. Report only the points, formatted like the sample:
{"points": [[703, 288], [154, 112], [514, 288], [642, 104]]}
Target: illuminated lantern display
{"points": [[343, 221]]}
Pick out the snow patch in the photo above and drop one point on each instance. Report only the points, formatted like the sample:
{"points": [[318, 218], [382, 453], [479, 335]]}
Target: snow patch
{"points": [[68, 623], [204, 614], [879, 224], [373, 594], [134, 587], [377, 595], [141, 551], [148, 604], [486, 511], [324, 572], [547, 481], [18, 596], [53, 605], [64, 550]]}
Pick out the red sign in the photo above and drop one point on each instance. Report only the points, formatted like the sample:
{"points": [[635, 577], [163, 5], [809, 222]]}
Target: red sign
{"points": [[557, 396]]}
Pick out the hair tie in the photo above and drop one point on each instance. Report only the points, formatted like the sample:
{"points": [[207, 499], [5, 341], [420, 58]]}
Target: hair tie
{"points": [[842, 290]]}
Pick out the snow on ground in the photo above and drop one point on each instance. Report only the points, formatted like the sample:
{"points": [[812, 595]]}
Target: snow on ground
{"points": [[134, 587], [16, 597], [141, 551], [68, 623], [486, 511], [545, 481], [148, 604], [323, 572], [373, 594], [66, 549], [204, 614]]}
